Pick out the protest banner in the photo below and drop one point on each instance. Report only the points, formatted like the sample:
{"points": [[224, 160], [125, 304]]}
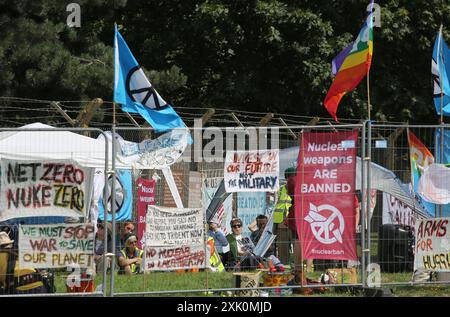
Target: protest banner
{"points": [[432, 246], [53, 246], [172, 226], [324, 195], [174, 258], [250, 205], [47, 188], [157, 153], [252, 171], [397, 212], [145, 197], [174, 239]]}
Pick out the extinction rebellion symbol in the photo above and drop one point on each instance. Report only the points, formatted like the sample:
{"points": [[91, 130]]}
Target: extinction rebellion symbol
{"points": [[329, 229]]}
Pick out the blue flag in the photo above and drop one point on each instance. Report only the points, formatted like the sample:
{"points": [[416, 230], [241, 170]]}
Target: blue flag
{"points": [[123, 197], [136, 94], [440, 70]]}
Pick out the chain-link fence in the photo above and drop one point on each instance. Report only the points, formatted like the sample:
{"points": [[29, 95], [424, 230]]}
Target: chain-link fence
{"points": [[351, 209]]}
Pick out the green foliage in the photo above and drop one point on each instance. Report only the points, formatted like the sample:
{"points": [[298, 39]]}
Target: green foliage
{"points": [[256, 55]]}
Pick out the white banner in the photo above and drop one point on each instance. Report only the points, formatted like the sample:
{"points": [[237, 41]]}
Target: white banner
{"points": [[175, 258], [157, 153], [174, 227], [252, 171], [52, 246], [432, 249], [49, 188], [397, 212]]}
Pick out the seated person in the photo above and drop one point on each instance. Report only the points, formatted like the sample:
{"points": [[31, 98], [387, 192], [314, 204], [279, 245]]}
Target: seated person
{"points": [[120, 238], [274, 262], [220, 241], [241, 247], [99, 248], [130, 257]]}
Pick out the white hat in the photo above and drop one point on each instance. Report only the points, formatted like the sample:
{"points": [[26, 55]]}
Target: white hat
{"points": [[4, 239]]}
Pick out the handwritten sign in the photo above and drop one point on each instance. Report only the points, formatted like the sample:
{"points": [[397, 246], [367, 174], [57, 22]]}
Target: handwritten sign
{"points": [[432, 247], [252, 171], [52, 246], [397, 212], [145, 197], [174, 258], [157, 153], [172, 226], [50, 188]]}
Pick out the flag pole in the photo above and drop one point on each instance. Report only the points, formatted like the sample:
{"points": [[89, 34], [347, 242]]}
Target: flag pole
{"points": [[368, 95], [441, 61]]}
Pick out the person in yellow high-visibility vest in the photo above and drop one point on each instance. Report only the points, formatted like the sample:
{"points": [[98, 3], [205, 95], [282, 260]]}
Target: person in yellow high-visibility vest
{"points": [[216, 264], [280, 213]]}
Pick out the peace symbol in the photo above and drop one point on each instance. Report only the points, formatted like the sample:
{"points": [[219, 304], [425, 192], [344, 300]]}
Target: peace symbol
{"points": [[140, 90]]}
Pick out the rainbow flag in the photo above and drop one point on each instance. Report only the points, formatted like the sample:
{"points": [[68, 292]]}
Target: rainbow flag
{"points": [[419, 157], [351, 65]]}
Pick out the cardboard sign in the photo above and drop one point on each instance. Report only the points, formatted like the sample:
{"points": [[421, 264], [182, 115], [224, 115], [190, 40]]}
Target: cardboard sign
{"points": [[52, 246], [432, 247], [174, 227], [324, 196], [252, 171], [50, 188]]}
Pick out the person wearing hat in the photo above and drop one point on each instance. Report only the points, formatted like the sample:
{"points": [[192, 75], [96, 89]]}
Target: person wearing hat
{"points": [[130, 257], [220, 241], [241, 247], [99, 248]]}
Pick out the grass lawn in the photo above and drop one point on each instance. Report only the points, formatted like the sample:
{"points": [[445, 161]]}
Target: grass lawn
{"points": [[166, 281]]}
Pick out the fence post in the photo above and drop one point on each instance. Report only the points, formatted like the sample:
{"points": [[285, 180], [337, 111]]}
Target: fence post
{"points": [[369, 159], [363, 206], [113, 204]]}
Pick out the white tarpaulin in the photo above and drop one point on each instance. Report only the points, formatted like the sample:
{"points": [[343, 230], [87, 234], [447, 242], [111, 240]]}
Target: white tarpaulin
{"points": [[51, 145], [434, 185], [90, 152]]}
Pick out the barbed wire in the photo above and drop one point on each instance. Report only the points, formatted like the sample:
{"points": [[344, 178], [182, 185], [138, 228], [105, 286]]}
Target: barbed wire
{"points": [[221, 115]]}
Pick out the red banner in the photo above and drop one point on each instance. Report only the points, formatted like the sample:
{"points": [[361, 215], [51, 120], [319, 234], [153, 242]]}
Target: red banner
{"points": [[325, 195], [145, 196]]}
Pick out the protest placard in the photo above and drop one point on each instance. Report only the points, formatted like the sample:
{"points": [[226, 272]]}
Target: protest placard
{"points": [[50, 188], [174, 227], [324, 195], [252, 171], [53, 246], [397, 212], [174, 258], [432, 245], [249, 206], [145, 197]]}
